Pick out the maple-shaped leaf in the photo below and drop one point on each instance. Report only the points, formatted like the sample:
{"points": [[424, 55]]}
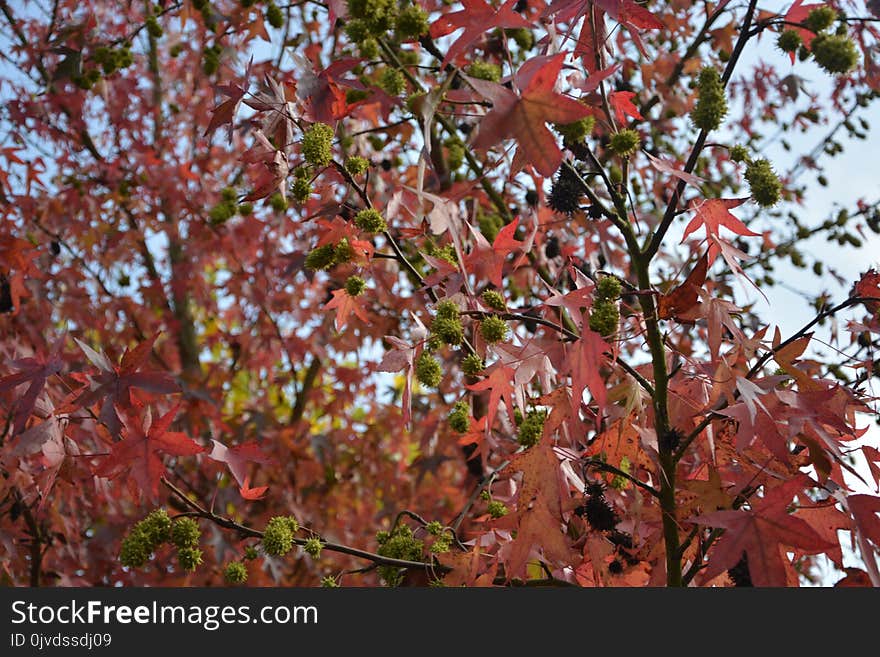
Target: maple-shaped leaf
{"points": [[248, 493], [712, 214], [864, 509], [487, 260], [476, 17], [35, 370], [538, 514], [586, 358], [872, 455], [268, 168], [345, 304], [868, 287], [139, 453], [500, 384], [631, 14], [686, 296], [523, 116], [224, 113], [112, 385], [467, 568], [759, 532], [279, 114], [237, 457], [621, 103]]}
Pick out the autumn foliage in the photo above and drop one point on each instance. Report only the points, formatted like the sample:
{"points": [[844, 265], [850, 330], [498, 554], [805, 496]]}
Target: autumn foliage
{"points": [[410, 292]]}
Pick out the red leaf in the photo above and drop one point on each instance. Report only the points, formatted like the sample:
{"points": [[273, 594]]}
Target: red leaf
{"points": [[621, 102], [139, 453], [249, 493], [669, 167], [113, 385], [631, 14], [523, 117], [864, 509], [500, 386], [345, 304], [713, 214], [538, 513], [476, 17], [587, 356], [35, 371], [237, 457], [487, 261], [686, 296], [759, 532]]}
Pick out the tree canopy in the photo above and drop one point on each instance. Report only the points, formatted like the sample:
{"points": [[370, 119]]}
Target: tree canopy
{"points": [[411, 292]]}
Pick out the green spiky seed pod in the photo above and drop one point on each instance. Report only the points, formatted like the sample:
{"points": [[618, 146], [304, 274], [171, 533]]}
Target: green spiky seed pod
{"points": [[433, 343], [497, 509], [356, 165], [153, 27], [135, 550], [320, 257], [428, 370], [835, 53], [711, 107], [357, 30], [624, 143], [274, 16], [460, 417], [317, 144], [370, 221], [156, 527], [577, 131], [448, 330], [245, 209], [454, 154], [278, 537], [739, 153], [278, 202], [210, 60], [472, 365], [392, 82], [229, 194], [789, 41], [313, 547], [329, 583], [494, 329], [401, 544], [531, 428], [368, 48], [448, 309], [355, 286], [189, 558], [604, 317], [764, 183], [235, 573], [820, 18], [608, 287], [342, 252], [484, 71], [185, 533], [435, 528], [412, 22], [521, 37], [250, 553], [221, 213], [379, 15], [301, 190], [494, 300]]}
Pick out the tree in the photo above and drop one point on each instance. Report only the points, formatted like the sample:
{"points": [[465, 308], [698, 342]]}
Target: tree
{"points": [[416, 293]]}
